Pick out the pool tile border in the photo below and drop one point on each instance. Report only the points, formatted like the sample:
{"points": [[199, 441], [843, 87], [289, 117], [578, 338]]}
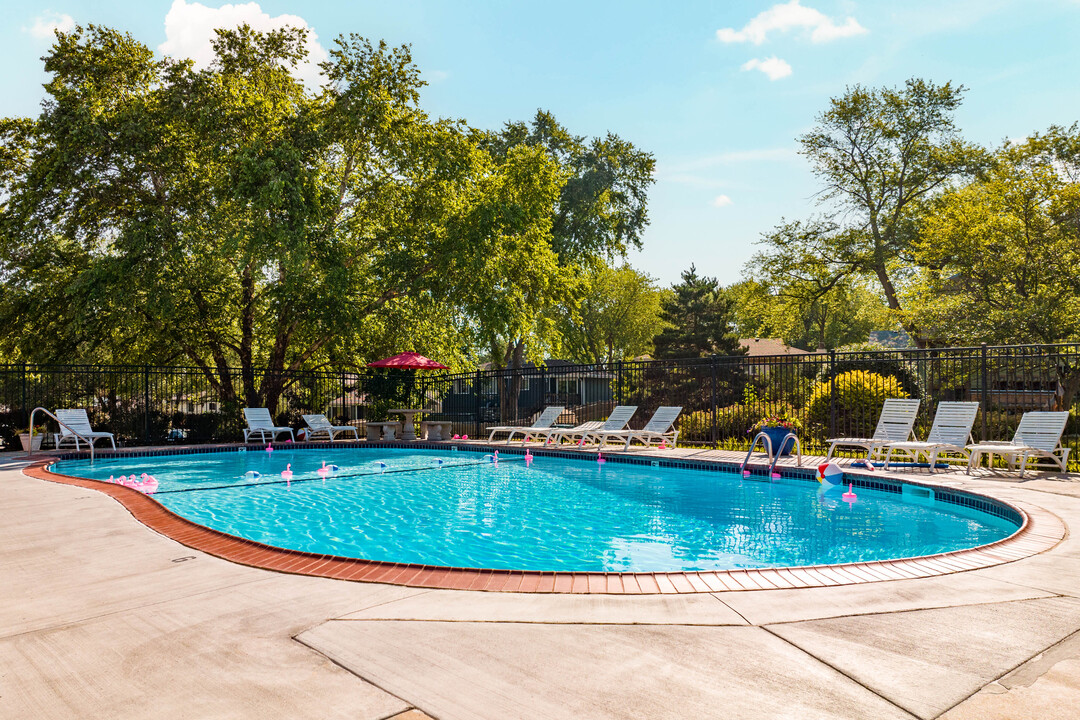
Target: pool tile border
{"points": [[1039, 530]]}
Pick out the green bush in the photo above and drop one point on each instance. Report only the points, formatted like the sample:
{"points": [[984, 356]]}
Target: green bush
{"points": [[732, 421], [869, 358], [11, 424], [859, 398]]}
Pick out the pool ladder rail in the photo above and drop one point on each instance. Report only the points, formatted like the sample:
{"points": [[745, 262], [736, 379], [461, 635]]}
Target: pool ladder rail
{"points": [[767, 445], [61, 424]]}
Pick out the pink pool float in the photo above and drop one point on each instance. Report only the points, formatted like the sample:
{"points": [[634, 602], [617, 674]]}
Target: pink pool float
{"points": [[849, 497]]}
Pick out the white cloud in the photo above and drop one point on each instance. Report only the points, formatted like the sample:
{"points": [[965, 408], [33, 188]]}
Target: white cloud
{"points": [[436, 76], [48, 22], [189, 28], [788, 16], [773, 67], [721, 201]]}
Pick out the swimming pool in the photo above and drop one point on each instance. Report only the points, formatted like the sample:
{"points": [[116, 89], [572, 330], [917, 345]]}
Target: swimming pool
{"points": [[458, 509]]}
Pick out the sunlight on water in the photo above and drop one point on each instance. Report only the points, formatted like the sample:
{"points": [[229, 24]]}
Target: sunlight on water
{"points": [[404, 506]]}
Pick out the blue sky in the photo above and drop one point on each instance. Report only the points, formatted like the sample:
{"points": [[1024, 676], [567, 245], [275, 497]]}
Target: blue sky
{"points": [[721, 111]]}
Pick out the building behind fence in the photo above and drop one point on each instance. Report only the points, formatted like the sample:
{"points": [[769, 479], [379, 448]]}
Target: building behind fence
{"points": [[830, 394]]}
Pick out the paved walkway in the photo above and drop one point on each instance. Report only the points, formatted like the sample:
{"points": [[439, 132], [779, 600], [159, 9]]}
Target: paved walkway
{"points": [[101, 617]]}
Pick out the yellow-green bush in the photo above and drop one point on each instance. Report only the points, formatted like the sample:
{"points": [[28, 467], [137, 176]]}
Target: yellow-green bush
{"points": [[859, 398]]}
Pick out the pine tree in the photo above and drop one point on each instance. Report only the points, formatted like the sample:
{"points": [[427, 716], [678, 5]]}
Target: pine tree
{"points": [[699, 317]]}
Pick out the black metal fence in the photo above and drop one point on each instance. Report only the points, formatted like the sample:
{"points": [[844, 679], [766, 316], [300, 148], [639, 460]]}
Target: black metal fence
{"points": [[827, 394]]}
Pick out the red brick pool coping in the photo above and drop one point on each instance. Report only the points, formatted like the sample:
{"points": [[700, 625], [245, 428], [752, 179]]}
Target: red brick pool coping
{"points": [[1040, 531]]}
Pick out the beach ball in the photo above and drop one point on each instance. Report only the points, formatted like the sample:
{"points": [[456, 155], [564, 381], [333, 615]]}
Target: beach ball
{"points": [[830, 474]]}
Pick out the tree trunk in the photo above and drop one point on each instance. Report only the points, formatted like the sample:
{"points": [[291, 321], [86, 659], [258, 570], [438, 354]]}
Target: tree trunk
{"points": [[510, 383], [247, 337], [894, 303]]}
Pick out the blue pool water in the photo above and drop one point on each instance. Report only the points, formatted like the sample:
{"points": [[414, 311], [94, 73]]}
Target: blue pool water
{"points": [[558, 514]]}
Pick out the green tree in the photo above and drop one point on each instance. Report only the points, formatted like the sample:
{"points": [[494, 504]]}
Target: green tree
{"points": [[698, 315], [880, 155], [618, 316], [602, 209], [1000, 258], [230, 217], [599, 212], [809, 299]]}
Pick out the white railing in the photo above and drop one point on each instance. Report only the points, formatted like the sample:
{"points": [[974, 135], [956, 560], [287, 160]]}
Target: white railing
{"points": [[30, 447]]}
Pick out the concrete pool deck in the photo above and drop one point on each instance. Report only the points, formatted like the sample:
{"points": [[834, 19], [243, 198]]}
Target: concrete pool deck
{"points": [[102, 617]]}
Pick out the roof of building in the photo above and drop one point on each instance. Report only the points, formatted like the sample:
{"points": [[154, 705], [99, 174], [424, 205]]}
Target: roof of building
{"points": [[769, 346]]}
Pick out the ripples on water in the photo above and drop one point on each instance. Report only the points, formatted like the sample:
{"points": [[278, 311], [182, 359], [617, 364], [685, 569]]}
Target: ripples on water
{"points": [[555, 515]]}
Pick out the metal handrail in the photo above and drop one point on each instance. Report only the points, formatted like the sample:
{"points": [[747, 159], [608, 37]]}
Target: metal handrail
{"points": [[30, 447], [767, 444]]}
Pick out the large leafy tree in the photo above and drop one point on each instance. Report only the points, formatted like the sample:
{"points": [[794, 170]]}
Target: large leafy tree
{"points": [[617, 318], [237, 219], [698, 314], [999, 257], [599, 213], [880, 155], [806, 315]]}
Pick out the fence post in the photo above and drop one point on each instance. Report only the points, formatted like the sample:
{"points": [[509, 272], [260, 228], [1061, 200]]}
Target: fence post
{"points": [[146, 404], [832, 393], [476, 399], [714, 361], [618, 383], [984, 400], [26, 417], [543, 388]]}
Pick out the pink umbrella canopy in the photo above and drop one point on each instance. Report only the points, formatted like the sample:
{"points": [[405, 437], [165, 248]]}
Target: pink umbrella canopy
{"points": [[408, 361]]}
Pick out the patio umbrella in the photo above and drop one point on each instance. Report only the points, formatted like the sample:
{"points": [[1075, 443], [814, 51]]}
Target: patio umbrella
{"points": [[408, 361]]}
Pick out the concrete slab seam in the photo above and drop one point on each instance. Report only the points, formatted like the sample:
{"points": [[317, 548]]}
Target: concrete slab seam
{"points": [[296, 638], [841, 672]]}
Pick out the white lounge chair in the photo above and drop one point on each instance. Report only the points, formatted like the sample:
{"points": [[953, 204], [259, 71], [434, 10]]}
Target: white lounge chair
{"points": [[546, 420], [658, 428], [1038, 437], [896, 424], [259, 423], [556, 435], [319, 424], [950, 432], [77, 421], [617, 420]]}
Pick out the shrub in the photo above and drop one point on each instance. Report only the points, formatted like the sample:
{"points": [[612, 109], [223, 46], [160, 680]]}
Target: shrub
{"points": [[859, 398], [732, 421], [11, 423], [874, 359]]}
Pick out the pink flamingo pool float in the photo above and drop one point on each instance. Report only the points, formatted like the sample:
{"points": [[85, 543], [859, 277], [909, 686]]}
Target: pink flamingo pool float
{"points": [[849, 497], [147, 484]]}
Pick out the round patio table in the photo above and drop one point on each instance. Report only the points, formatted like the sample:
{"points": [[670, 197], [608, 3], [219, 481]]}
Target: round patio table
{"points": [[408, 429]]}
